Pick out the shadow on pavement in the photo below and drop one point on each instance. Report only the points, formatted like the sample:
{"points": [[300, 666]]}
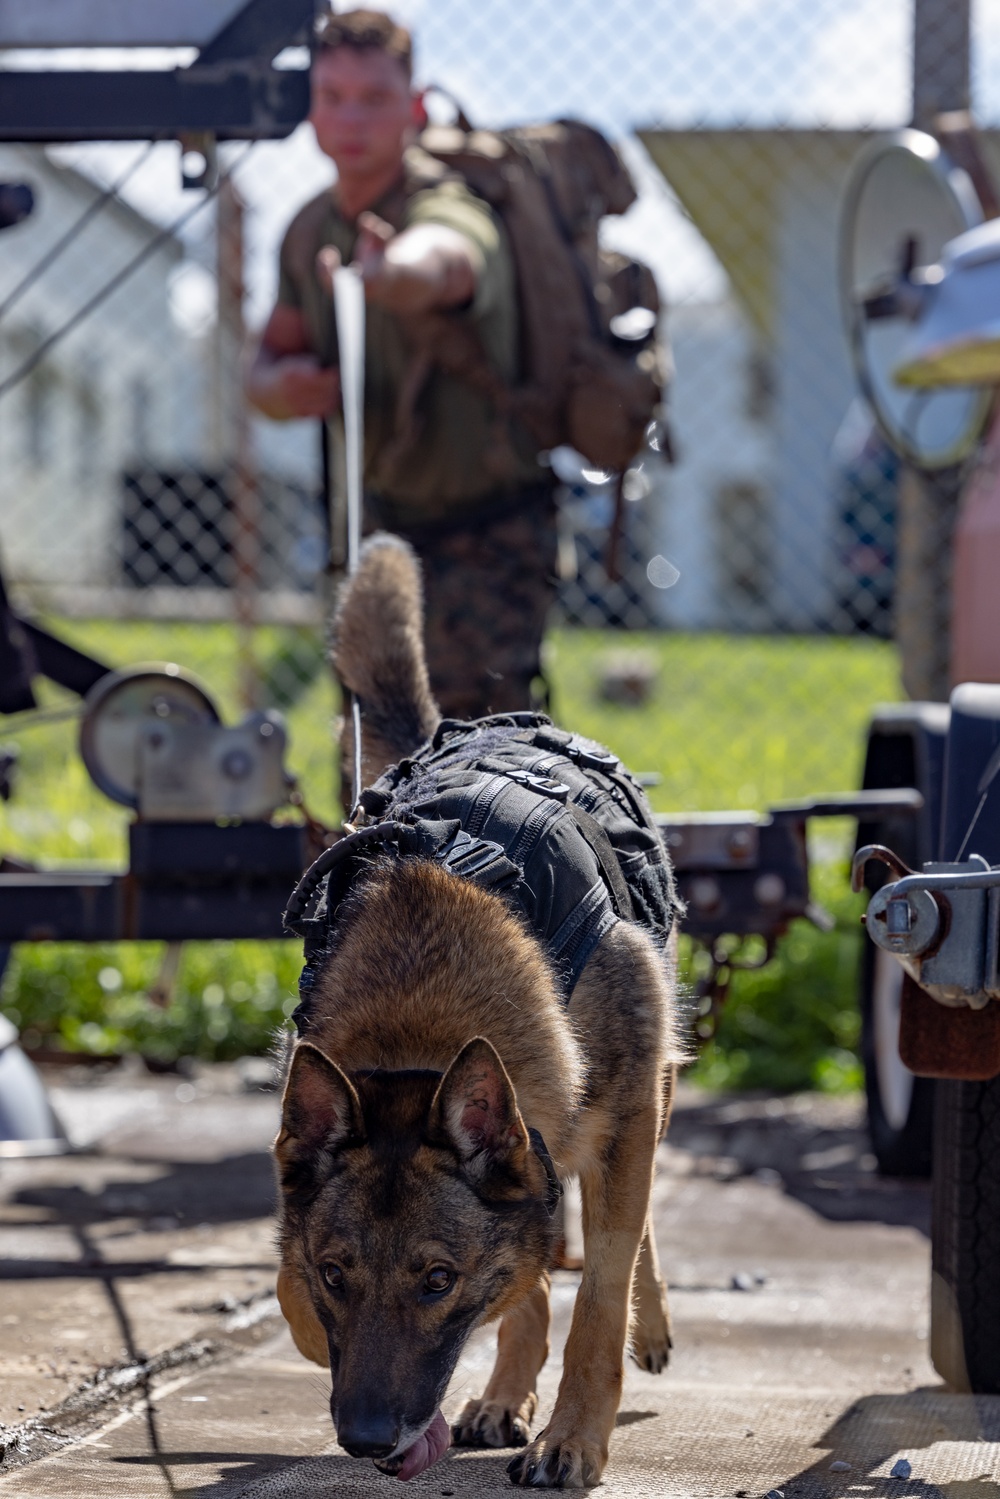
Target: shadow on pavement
{"points": [[253, 1475], [89, 1251], [865, 1199], [87, 1269], [241, 1472], [814, 1145], [877, 1429], [229, 1190]]}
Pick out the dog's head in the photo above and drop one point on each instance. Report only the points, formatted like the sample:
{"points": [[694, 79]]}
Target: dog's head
{"points": [[414, 1208]]}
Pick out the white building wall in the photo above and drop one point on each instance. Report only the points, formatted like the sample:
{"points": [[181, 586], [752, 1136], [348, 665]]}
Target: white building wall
{"points": [[718, 443], [815, 388], [108, 395]]}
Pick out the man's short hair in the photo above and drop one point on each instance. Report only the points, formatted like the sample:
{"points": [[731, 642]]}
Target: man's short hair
{"points": [[365, 31]]}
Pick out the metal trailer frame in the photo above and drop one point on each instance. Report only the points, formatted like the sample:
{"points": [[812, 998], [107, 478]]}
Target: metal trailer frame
{"points": [[231, 91]]}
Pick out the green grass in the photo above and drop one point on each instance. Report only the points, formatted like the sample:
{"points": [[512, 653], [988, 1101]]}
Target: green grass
{"points": [[731, 722]]}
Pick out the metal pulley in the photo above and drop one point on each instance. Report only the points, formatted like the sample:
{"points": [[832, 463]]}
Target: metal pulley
{"points": [[152, 739], [121, 707]]}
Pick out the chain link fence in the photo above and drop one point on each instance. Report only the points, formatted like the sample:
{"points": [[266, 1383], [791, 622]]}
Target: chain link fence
{"points": [[138, 487]]}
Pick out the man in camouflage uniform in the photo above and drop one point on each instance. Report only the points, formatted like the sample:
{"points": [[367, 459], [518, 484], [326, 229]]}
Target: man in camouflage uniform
{"points": [[443, 467]]}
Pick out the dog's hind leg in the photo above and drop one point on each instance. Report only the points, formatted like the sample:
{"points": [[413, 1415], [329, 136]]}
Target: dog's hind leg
{"points": [[502, 1416], [650, 1339]]}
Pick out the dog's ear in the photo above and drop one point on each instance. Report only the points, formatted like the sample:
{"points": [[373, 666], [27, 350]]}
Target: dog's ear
{"points": [[476, 1111], [320, 1109]]}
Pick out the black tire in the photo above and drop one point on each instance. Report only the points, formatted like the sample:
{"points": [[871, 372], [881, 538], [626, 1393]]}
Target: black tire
{"points": [[965, 1236], [900, 1105]]}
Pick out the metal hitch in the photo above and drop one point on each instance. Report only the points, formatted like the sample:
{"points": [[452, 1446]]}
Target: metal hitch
{"points": [[942, 924]]}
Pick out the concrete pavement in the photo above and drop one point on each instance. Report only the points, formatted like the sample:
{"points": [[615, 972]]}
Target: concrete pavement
{"points": [[139, 1333]]}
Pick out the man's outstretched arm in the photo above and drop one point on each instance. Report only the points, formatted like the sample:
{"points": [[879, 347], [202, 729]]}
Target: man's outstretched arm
{"points": [[427, 267]]}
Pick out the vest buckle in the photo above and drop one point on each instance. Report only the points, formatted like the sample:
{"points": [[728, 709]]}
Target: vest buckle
{"points": [[548, 786], [478, 860]]}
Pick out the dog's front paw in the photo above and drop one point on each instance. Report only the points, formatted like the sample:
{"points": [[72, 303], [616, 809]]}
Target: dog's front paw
{"points": [[491, 1423], [552, 1464]]}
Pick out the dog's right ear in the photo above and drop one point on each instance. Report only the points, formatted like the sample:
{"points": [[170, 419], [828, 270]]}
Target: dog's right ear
{"points": [[320, 1109]]}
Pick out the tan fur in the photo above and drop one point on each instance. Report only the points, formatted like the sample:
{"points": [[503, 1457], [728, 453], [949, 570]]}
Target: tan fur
{"points": [[651, 1338], [435, 961], [307, 1334], [424, 962], [378, 655]]}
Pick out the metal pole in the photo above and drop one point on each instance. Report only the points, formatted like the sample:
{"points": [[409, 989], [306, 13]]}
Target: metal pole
{"points": [[941, 59], [233, 434], [925, 523], [928, 503]]}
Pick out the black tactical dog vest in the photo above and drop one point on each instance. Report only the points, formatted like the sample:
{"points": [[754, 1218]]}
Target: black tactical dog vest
{"points": [[549, 820]]}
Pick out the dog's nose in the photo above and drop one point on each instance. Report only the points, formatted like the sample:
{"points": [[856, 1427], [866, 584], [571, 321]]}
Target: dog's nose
{"points": [[367, 1434]]}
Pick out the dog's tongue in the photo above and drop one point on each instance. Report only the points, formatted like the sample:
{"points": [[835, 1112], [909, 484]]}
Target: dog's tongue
{"points": [[426, 1450]]}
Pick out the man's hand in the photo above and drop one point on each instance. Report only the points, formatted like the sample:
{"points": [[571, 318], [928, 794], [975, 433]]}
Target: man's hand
{"points": [[303, 388], [374, 234], [327, 261], [285, 380]]}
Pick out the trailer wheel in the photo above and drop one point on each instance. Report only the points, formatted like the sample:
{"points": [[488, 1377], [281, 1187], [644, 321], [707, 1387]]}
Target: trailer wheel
{"points": [[900, 1105], [965, 1236]]}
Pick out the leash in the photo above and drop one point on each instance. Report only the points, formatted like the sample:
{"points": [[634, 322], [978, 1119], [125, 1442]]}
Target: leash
{"points": [[349, 304]]}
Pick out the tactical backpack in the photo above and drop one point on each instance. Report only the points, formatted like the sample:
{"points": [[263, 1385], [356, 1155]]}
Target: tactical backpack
{"points": [[549, 820], [592, 368]]}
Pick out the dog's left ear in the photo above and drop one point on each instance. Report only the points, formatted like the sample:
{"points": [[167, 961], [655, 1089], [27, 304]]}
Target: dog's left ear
{"points": [[475, 1109]]}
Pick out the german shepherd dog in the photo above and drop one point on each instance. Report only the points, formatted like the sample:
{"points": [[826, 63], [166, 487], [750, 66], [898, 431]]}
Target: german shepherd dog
{"points": [[415, 1202]]}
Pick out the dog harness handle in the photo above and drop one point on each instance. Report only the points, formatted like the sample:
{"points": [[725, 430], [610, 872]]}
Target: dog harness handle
{"points": [[296, 918]]}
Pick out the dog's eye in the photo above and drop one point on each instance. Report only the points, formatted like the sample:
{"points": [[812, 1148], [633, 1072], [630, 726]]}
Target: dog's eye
{"points": [[438, 1280], [334, 1277]]}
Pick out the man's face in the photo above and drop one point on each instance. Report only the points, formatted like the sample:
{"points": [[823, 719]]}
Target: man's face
{"points": [[363, 110]]}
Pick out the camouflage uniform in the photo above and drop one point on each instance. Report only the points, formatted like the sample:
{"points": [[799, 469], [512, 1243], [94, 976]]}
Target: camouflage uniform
{"points": [[488, 589], [461, 484]]}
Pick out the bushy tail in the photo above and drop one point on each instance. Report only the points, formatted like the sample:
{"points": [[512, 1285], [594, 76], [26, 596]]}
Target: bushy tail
{"points": [[378, 652]]}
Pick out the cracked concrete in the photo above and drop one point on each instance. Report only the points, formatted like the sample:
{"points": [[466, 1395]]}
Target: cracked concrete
{"points": [[139, 1333]]}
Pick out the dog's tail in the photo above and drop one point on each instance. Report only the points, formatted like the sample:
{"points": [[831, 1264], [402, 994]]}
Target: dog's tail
{"points": [[378, 652]]}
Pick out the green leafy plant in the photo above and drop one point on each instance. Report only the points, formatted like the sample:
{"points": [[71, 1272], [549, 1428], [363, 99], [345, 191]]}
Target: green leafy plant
{"points": [[793, 1023]]}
